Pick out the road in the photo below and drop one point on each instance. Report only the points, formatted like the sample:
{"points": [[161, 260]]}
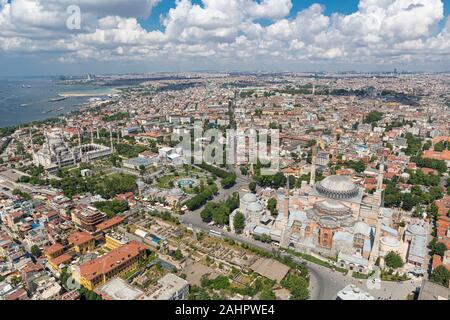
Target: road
{"points": [[324, 283]]}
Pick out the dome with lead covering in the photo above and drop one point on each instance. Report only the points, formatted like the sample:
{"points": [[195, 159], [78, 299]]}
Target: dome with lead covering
{"points": [[255, 207], [331, 207], [249, 198], [337, 187]]}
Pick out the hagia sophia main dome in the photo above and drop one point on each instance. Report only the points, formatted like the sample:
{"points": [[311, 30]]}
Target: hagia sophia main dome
{"points": [[337, 187]]}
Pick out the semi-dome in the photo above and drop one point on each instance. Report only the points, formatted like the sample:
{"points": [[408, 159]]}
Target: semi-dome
{"points": [[328, 222], [337, 187], [390, 241], [331, 207]]}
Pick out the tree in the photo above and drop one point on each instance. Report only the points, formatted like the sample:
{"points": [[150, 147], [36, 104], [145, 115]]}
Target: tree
{"points": [[441, 276], [142, 170], [297, 285], [439, 147], [112, 208], [16, 280], [267, 294], [439, 248], [272, 206], [373, 116], [393, 260], [35, 251], [244, 170], [221, 214], [252, 186], [239, 222], [177, 255]]}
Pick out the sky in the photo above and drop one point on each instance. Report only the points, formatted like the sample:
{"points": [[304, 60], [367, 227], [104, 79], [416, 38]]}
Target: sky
{"points": [[51, 37]]}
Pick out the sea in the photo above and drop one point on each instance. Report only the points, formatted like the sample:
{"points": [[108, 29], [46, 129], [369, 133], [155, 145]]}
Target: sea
{"points": [[28, 99]]}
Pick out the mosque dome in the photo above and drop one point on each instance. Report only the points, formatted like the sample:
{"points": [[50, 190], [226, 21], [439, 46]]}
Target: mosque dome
{"points": [[388, 244], [176, 192], [337, 187], [249, 198], [255, 207], [417, 230]]}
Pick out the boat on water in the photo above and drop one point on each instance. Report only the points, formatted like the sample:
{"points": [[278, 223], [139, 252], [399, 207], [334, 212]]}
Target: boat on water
{"points": [[58, 99], [53, 110]]}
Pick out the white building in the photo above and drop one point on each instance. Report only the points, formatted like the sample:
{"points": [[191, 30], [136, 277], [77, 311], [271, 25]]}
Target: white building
{"points": [[352, 292]]}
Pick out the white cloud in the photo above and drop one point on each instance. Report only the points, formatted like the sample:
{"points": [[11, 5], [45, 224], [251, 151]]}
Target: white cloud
{"points": [[380, 31]]}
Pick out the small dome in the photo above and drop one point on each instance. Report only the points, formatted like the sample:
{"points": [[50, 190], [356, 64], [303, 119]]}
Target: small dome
{"points": [[255, 207], [176, 192], [249, 198], [417, 229]]}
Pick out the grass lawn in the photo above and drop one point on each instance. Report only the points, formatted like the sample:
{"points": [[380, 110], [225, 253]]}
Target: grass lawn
{"points": [[359, 275]]}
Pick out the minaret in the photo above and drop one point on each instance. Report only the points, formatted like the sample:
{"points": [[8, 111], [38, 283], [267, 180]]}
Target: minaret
{"points": [[379, 192], [375, 252], [79, 137], [79, 143], [312, 180], [380, 175], [92, 136], [111, 139], [74, 155], [98, 134], [286, 201]]}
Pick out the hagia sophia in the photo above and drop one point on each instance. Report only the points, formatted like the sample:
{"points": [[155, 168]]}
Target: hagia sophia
{"points": [[333, 217]]}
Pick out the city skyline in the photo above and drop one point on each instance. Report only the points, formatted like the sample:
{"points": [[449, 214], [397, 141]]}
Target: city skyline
{"points": [[43, 38]]}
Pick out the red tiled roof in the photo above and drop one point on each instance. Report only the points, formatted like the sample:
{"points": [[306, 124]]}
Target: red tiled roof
{"points": [[110, 223], [30, 267], [111, 260], [441, 138], [19, 294], [62, 259], [437, 261], [54, 248], [431, 154], [79, 238]]}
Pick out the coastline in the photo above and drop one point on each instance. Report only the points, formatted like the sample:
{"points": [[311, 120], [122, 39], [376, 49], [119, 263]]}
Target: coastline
{"points": [[87, 94]]}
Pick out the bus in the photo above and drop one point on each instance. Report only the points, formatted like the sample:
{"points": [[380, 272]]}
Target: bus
{"points": [[214, 233]]}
